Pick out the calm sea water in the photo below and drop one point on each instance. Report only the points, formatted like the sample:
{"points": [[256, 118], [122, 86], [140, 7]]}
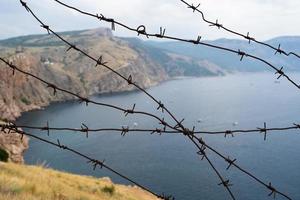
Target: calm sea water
{"points": [[168, 163]]}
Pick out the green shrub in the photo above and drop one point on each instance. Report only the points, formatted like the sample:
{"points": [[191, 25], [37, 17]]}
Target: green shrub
{"points": [[25, 101], [3, 155], [109, 190]]}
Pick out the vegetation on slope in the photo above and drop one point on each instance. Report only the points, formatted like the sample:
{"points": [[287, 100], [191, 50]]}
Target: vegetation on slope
{"points": [[20, 182]]}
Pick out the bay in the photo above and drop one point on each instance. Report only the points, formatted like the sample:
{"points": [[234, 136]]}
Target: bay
{"points": [[169, 163]]}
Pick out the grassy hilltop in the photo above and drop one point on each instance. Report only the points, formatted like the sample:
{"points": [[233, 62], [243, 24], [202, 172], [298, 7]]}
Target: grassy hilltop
{"points": [[20, 182]]}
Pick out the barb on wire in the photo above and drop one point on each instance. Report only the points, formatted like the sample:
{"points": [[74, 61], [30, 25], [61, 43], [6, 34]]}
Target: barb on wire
{"points": [[228, 132], [125, 130], [85, 129], [142, 31], [280, 72], [247, 37], [264, 130], [242, 54], [161, 33], [216, 24], [230, 162], [46, 27], [129, 111], [46, 128], [194, 8], [100, 61], [93, 161]]}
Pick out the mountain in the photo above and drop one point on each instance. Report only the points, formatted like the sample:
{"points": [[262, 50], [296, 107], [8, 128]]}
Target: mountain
{"points": [[231, 62], [46, 56]]}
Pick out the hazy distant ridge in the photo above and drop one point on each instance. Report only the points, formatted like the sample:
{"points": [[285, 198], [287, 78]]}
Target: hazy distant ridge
{"points": [[230, 61]]}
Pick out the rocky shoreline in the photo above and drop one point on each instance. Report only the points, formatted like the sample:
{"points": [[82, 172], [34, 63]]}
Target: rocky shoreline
{"points": [[14, 145]]}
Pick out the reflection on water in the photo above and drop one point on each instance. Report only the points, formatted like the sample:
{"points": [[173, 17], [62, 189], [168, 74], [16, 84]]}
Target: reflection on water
{"points": [[168, 163]]}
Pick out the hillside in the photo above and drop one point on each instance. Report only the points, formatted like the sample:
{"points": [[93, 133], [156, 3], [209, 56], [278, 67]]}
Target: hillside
{"points": [[45, 56], [230, 61], [19, 182]]}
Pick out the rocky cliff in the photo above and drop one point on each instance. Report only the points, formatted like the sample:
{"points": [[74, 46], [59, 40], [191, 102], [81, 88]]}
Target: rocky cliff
{"points": [[46, 57], [13, 145]]}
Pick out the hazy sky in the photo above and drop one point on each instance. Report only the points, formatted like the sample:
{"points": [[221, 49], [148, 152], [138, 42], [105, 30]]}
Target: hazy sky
{"points": [[264, 19]]}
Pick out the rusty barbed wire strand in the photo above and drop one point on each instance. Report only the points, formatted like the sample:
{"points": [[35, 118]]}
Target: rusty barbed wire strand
{"points": [[141, 30], [278, 50], [94, 162], [184, 130], [125, 129]]}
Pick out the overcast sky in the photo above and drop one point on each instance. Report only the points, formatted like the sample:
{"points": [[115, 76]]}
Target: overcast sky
{"points": [[264, 19]]}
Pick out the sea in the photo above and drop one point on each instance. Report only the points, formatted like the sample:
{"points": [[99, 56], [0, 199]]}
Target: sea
{"points": [[169, 163]]}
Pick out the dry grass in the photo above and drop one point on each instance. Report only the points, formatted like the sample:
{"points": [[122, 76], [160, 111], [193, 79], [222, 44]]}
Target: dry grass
{"points": [[20, 182]]}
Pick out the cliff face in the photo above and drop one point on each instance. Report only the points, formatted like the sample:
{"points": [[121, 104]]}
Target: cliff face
{"points": [[20, 93], [14, 146], [46, 57]]}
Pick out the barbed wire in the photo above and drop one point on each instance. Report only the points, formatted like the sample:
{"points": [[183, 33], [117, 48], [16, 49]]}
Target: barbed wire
{"points": [[278, 50], [185, 131], [125, 129], [141, 30], [94, 162]]}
